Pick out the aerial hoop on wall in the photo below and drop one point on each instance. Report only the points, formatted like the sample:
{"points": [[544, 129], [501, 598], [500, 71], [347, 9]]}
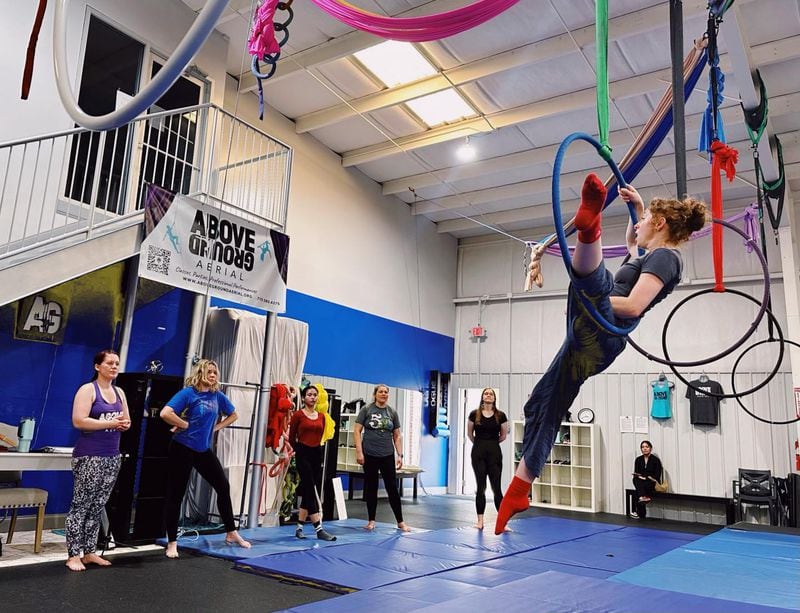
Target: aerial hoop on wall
{"points": [[782, 341], [183, 54]]}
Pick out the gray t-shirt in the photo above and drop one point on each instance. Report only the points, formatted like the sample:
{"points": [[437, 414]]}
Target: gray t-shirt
{"points": [[379, 424]]}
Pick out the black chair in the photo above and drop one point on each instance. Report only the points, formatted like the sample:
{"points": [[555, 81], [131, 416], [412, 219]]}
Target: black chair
{"points": [[756, 487]]}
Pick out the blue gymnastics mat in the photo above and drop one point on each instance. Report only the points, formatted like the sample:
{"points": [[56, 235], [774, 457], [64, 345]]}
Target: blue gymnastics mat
{"points": [[366, 565], [612, 551], [280, 539], [551, 592], [740, 565]]}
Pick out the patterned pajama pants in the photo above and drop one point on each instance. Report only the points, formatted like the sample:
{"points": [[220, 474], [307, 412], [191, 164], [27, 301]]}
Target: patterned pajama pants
{"points": [[588, 349], [94, 478]]}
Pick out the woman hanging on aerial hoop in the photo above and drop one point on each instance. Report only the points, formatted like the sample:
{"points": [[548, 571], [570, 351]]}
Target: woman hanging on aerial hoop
{"points": [[640, 283]]}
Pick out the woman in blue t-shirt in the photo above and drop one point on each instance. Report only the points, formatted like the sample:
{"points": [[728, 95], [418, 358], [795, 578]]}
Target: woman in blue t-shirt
{"points": [[100, 412], [194, 413], [640, 283]]}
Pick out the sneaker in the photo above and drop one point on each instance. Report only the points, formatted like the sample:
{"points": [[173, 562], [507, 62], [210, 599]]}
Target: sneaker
{"points": [[298, 534], [633, 515], [325, 536]]}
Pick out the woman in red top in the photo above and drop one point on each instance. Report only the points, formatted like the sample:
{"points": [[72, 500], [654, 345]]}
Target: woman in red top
{"points": [[305, 436]]}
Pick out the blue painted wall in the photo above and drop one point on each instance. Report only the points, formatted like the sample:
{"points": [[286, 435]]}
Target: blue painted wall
{"points": [[42, 378], [351, 344]]}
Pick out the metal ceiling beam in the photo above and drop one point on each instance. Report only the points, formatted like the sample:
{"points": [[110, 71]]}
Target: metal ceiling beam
{"points": [[767, 53], [783, 105], [537, 189], [540, 51], [544, 212]]}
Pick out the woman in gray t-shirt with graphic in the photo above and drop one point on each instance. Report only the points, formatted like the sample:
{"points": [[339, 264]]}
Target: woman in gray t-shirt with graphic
{"points": [[379, 449]]}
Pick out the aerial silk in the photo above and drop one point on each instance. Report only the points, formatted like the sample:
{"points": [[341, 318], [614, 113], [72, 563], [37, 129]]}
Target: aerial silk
{"points": [[646, 143], [416, 29]]}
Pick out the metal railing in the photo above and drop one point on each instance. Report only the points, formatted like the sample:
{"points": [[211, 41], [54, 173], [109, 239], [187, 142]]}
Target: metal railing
{"points": [[73, 183]]}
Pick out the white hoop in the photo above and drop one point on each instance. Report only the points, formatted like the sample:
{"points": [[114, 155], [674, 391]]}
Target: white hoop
{"points": [[184, 52]]}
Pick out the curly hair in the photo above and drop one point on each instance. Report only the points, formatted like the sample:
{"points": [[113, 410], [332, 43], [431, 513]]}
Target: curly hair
{"points": [[682, 216], [199, 375]]}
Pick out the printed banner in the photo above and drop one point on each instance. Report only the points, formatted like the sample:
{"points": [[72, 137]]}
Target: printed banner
{"points": [[43, 316], [200, 248]]}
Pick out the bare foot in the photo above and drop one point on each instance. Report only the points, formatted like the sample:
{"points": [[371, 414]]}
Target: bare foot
{"points": [[234, 538], [479, 523], [402, 526], [370, 526], [74, 563], [93, 558], [172, 550]]}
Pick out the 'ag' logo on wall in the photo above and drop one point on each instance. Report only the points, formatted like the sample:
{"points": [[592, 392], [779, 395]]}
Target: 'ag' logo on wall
{"points": [[41, 318]]}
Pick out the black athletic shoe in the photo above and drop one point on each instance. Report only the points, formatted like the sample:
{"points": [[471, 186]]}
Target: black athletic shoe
{"points": [[325, 536], [299, 534]]}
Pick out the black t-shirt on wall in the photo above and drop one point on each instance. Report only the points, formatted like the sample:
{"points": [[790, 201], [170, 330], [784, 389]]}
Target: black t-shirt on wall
{"points": [[704, 409]]}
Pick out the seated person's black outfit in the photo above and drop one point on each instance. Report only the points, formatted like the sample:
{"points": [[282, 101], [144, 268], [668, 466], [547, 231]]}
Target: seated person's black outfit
{"points": [[645, 486]]}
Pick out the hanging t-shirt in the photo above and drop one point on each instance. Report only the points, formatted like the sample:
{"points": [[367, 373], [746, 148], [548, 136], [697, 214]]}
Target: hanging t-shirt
{"points": [[662, 399], [704, 408]]}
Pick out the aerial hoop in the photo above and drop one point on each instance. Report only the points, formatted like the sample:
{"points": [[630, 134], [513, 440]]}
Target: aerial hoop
{"points": [[604, 153], [783, 342], [183, 54], [753, 326], [753, 389]]}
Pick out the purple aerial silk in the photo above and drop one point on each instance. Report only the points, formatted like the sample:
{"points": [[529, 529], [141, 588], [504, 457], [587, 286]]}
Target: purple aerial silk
{"points": [[416, 29], [749, 216]]}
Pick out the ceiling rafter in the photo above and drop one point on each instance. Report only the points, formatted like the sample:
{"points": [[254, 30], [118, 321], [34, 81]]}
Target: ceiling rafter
{"points": [[780, 105], [550, 48], [573, 180], [541, 215], [764, 54]]}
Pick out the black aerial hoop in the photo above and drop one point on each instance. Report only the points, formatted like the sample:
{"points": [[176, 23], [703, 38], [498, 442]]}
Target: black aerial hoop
{"points": [[782, 341], [767, 379], [753, 326]]}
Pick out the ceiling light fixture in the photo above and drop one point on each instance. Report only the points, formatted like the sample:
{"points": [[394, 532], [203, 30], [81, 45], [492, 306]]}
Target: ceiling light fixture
{"points": [[466, 152]]}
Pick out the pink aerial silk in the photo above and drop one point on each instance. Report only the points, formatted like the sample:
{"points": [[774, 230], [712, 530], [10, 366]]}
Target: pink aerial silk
{"points": [[262, 39], [416, 29]]}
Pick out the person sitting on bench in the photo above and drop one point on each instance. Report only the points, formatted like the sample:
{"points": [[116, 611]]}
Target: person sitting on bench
{"points": [[647, 472]]}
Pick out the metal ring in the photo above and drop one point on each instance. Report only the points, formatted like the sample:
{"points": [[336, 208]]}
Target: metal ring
{"points": [[759, 316], [782, 341], [760, 385]]}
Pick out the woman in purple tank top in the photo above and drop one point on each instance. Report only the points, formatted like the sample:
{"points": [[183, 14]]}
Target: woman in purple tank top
{"points": [[100, 412]]}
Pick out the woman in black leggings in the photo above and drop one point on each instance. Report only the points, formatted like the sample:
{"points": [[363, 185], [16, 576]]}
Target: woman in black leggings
{"points": [[195, 414], [379, 449], [487, 428]]}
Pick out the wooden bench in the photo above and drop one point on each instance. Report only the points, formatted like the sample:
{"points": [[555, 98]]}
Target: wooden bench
{"points": [[403, 473], [730, 509]]}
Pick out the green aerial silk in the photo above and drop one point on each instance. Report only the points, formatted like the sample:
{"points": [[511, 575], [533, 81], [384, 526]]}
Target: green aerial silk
{"points": [[601, 68]]}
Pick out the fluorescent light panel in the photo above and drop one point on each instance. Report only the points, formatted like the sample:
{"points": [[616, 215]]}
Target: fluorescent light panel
{"points": [[442, 107], [395, 63]]}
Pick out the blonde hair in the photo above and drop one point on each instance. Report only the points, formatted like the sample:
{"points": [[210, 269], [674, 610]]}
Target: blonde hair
{"points": [[682, 216], [199, 375]]}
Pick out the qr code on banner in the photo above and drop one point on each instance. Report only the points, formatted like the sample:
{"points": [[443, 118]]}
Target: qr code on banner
{"points": [[158, 259]]}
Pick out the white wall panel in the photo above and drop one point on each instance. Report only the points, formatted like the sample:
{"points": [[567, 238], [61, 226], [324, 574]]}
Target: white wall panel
{"points": [[698, 459]]}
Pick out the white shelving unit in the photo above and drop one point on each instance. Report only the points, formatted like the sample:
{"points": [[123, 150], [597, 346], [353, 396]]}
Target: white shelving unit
{"points": [[570, 479], [346, 456]]}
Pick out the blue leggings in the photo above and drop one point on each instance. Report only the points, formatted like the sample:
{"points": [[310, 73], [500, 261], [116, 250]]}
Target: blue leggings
{"points": [[587, 350]]}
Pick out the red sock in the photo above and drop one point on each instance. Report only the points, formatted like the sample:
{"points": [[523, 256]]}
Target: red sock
{"points": [[587, 219], [515, 500]]}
